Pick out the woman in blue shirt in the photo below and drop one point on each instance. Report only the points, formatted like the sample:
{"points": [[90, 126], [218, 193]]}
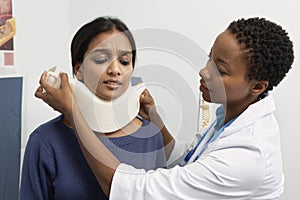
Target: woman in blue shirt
{"points": [[103, 56]]}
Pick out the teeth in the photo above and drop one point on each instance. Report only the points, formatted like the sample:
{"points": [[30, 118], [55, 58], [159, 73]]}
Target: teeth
{"points": [[112, 83]]}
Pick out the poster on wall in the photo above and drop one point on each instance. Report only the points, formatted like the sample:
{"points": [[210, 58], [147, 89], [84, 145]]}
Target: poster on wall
{"points": [[7, 32]]}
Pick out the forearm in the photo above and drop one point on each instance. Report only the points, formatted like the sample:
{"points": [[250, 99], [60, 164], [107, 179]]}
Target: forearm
{"points": [[100, 159], [167, 136], [102, 171], [148, 111]]}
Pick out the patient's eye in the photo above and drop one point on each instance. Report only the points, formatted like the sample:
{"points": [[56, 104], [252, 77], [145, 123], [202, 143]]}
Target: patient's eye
{"points": [[125, 61], [101, 59]]}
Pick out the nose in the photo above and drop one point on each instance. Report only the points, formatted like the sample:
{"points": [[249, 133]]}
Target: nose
{"points": [[204, 73], [114, 68]]}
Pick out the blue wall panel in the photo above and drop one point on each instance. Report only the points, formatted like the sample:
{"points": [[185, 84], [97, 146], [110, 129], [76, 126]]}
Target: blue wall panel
{"points": [[10, 136]]}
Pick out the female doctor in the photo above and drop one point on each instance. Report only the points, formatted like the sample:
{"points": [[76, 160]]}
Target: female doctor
{"points": [[238, 157]]}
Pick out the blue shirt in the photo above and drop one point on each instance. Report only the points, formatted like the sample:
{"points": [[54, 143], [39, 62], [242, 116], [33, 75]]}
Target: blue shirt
{"points": [[55, 168]]}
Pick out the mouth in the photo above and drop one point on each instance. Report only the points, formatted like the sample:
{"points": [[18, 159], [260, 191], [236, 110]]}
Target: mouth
{"points": [[203, 87], [112, 84]]}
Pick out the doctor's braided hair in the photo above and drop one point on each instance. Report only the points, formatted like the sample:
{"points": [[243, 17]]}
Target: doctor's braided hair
{"points": [[270, 49]]}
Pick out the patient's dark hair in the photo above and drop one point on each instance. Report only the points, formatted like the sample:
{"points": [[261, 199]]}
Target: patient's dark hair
{"points": [[271, 50], [89, 31]]}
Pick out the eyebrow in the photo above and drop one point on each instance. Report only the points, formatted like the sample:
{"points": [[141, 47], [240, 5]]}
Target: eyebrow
{"points": [[107, 51], [218, 59], [222, 61], [99, 50], [124, 52]]}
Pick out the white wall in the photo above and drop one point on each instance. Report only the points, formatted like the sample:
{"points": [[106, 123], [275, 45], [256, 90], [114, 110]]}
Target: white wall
{"points": [[45, 28], [41, 41]]}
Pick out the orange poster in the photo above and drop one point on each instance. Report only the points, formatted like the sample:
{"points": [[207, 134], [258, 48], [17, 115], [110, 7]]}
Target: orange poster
{"points": [[7, 25]]}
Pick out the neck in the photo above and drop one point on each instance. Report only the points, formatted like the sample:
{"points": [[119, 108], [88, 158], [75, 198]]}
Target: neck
{"points": [[235, 109], [130, 128]]}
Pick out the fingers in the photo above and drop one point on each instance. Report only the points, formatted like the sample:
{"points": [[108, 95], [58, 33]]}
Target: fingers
{"points": [[146, 98], [44, 89], [142, 97], [144, 94], [39, 92], [44, 83], [59, 99], [42, 75], [64, 80]]}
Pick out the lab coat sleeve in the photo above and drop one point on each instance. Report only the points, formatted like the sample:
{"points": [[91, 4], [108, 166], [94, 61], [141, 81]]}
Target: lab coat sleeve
{"points": [[180, 150], [220, 175]]}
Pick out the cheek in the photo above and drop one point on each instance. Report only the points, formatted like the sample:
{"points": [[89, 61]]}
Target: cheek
{"points": [[237, 90], [127, 74], [126, 81], [229, 90], [93, 76]]}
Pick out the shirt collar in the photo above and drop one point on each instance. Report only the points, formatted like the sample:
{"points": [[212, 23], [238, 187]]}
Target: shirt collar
{"points": [[264, 106]]}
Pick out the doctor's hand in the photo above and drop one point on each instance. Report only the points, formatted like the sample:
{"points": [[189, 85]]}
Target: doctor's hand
{"points": [[148, 109], [60, 99], [147, 105]]}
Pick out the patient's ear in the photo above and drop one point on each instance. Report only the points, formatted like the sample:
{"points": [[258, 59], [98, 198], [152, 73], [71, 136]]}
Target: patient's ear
{"points": [[78, 72], [259, 87]]}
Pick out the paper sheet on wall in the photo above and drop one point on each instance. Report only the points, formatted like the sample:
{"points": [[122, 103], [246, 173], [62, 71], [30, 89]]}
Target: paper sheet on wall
{"points": [[7, 33]]}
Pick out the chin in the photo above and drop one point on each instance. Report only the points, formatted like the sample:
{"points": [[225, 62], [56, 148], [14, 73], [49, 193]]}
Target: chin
{"points": [[206, 98], [104, 98], [112, 96]]}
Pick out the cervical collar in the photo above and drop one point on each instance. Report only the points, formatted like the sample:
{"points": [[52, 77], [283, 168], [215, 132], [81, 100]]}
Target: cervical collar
{"points": [[107, 116]]}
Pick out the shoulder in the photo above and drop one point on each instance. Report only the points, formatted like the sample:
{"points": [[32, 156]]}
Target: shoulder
{"points": [[241, 159], [49, 131], [251, 152], [50, 123]]}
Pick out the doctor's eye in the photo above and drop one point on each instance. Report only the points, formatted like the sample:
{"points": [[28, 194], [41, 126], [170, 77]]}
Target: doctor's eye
{"points": [[220, 71]]}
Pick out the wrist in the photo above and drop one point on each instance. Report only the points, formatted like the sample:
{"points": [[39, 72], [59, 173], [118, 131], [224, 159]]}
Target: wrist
{"points": [[68, 112], [156, 119]]}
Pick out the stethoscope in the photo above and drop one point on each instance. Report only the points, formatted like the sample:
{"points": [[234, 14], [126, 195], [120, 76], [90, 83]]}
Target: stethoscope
{"points": [[212, 139]]}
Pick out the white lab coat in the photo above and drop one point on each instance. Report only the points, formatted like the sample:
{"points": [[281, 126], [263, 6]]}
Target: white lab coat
{"points": [[243, 163]]}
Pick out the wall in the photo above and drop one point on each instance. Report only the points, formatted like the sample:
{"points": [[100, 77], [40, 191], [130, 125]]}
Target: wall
{"points": [[45, 30], [42, 41]]}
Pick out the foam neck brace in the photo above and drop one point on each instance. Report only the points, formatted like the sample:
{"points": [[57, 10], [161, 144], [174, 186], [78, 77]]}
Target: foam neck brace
{"points": [[107, 116]]}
